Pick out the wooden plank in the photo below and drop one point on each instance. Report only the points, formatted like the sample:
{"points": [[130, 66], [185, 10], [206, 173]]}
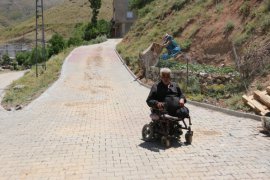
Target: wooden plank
{"points": [[262, 97], [257, 106]]}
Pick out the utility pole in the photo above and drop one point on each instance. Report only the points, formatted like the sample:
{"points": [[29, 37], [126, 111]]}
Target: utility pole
{"points": [[40, 35]]}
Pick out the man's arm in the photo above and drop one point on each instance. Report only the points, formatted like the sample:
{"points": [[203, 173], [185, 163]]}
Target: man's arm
{"points": [[152, 97], [182, 100]]}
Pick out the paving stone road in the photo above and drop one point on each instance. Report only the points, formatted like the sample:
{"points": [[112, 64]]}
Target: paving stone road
{"points": [[88, 126]]}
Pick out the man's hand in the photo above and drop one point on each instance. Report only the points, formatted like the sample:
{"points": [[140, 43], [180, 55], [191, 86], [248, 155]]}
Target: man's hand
{"points": [[182, 102], [160, 105]]}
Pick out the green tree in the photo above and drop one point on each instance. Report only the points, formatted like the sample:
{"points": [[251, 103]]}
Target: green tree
{"points": [[56, 44], [93, 31], [6, 59], [95, 6], [23, 58], [32, 59]]}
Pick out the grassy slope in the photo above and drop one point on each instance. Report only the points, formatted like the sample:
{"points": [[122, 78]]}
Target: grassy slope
{"points": [[61, 19], [198, 21], [152, 27], [34, 86], [203, 23], [17, 10]]}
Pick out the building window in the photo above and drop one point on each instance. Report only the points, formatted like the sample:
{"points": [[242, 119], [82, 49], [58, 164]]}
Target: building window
{"points": [[129, 15]]}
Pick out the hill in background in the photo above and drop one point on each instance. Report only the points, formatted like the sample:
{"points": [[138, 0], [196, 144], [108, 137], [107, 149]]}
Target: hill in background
{"points": [[206, 29], [61, 18], [12, 11]]}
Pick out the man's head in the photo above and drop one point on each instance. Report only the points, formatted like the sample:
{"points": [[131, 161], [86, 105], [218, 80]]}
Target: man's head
{"points": [[165, 37], [165, 75]]}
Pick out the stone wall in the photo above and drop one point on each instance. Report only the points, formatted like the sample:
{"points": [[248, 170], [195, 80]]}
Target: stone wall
{"points": [[12, 49], [181, 76]]}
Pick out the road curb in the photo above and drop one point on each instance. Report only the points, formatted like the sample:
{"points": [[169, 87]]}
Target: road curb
{"points": [[204, 105]]}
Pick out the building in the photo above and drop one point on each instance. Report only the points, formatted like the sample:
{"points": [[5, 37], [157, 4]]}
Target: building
{"points": [[12, 49], [123, 18]]}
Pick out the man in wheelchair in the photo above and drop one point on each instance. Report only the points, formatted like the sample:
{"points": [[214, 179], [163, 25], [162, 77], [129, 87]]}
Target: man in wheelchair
{"points": [[167, 96]]}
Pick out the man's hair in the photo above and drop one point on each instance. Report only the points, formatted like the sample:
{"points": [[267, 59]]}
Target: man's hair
{"points": [[165, 71]]}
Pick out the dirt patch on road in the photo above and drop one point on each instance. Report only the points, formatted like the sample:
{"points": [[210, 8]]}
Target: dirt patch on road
{"points": [[208, 132]]}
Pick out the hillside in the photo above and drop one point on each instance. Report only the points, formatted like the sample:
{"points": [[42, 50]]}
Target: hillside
{"points": [[18, 10], [61, 18], [202, 23], [208, 31]]}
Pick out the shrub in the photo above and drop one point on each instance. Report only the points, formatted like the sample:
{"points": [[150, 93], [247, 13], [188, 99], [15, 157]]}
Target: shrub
{"points": [[185, 45], [265, 25], [215, 89], [143, 12], [138, 4], [229, 27], [56, 44], [74, 41], [104, 27], [93, 31], [267, 6], [239, 40], [250, 28], [99, 39], [245, 9], [6, 60], [32, 59], [178, 5], [219, 8], [236, 103], [23, 58]]}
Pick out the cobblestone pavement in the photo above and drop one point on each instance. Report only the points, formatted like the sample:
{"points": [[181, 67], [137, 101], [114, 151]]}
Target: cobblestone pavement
{"points": [[88, 126], [6, 79]]}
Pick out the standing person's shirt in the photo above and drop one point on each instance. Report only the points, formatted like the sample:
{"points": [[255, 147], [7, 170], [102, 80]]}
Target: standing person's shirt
{"points": [[171, 45]]}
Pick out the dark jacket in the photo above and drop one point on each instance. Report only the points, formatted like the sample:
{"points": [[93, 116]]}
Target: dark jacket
{"points": [[159, 91]]}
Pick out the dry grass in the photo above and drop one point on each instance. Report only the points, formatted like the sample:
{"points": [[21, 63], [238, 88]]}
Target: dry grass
{"points": [[61, 19]]}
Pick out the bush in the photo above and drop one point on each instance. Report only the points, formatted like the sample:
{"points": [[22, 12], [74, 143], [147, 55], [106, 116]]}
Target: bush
{"points": [[267, 5], [23, 58], [229, 27], [178, 5], [265, 25], [250, 29], [74, 41], [93, 31], [239, 40], [6, 60], [186, 44], [99, 39], [138, 4], [143, 12], [32, 59], [56, 44], [245, 9]]}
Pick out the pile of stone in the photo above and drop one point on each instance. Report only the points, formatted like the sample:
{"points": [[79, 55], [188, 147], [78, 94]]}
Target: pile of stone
{"points": [[209, 79], [259, 101]]}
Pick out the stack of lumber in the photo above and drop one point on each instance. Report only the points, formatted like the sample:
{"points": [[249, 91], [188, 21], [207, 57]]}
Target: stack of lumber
{"points": [[259, 101]]}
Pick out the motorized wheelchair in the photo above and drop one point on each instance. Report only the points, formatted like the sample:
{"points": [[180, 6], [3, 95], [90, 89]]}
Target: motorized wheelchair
{"points": [[166, 128]]}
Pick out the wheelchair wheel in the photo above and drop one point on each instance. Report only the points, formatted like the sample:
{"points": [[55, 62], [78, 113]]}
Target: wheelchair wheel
{"points": [[165, 141], [188, 137], [147, 132]]}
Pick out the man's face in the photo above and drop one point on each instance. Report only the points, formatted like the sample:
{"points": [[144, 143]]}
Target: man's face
{"points": [[166, 78]]}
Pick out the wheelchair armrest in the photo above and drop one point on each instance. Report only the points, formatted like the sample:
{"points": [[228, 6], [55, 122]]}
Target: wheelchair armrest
{"points": [[167, 116]]}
